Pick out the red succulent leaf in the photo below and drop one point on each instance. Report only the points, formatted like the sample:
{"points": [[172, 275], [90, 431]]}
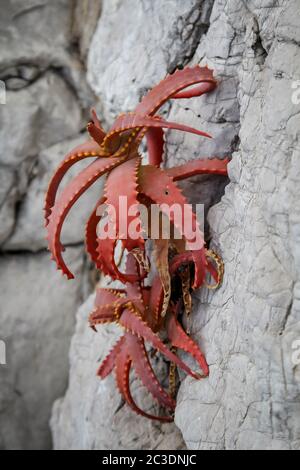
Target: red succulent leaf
{"points": [[109, 362], [67, 199], [123, 366], [205, 166], [144, 371], [160, 188], [181, 340], [87, 150], [135, 324], [155, 145], [126, 122], [91, 241], [105, 296], [175, 83]]}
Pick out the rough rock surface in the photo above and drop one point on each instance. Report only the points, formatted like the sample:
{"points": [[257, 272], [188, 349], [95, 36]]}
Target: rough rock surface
{"points": [[247, 328], [134, 57], [42, 48], [45, 82], [37, 318], [251, 400], [91, 415]]}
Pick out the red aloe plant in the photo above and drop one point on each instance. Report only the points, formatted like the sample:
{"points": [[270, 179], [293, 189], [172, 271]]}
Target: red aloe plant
{"points": [[142, 311]]}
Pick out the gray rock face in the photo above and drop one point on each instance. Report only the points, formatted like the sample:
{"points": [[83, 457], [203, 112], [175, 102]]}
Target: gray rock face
{"points": [[85, 19], [37, 319], [8, 194], [142, 40], [35, 117], [45, 86], [91, 415], [248, 327]]}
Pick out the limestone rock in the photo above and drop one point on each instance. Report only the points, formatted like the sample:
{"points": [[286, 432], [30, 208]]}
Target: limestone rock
{"points": [[46, 93], [86, 15], [37, 319], [8, 197], [30, 214], [35, 117], [136, 43], [248, 327], [27, 37]]}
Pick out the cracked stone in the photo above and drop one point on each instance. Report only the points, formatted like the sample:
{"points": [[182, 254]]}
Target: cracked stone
{"points": [[251, 400], [37, 318], [147, 53]]}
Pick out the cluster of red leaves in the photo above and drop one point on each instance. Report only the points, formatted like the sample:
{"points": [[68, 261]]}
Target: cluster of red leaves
{"points": [[142, 311]]}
